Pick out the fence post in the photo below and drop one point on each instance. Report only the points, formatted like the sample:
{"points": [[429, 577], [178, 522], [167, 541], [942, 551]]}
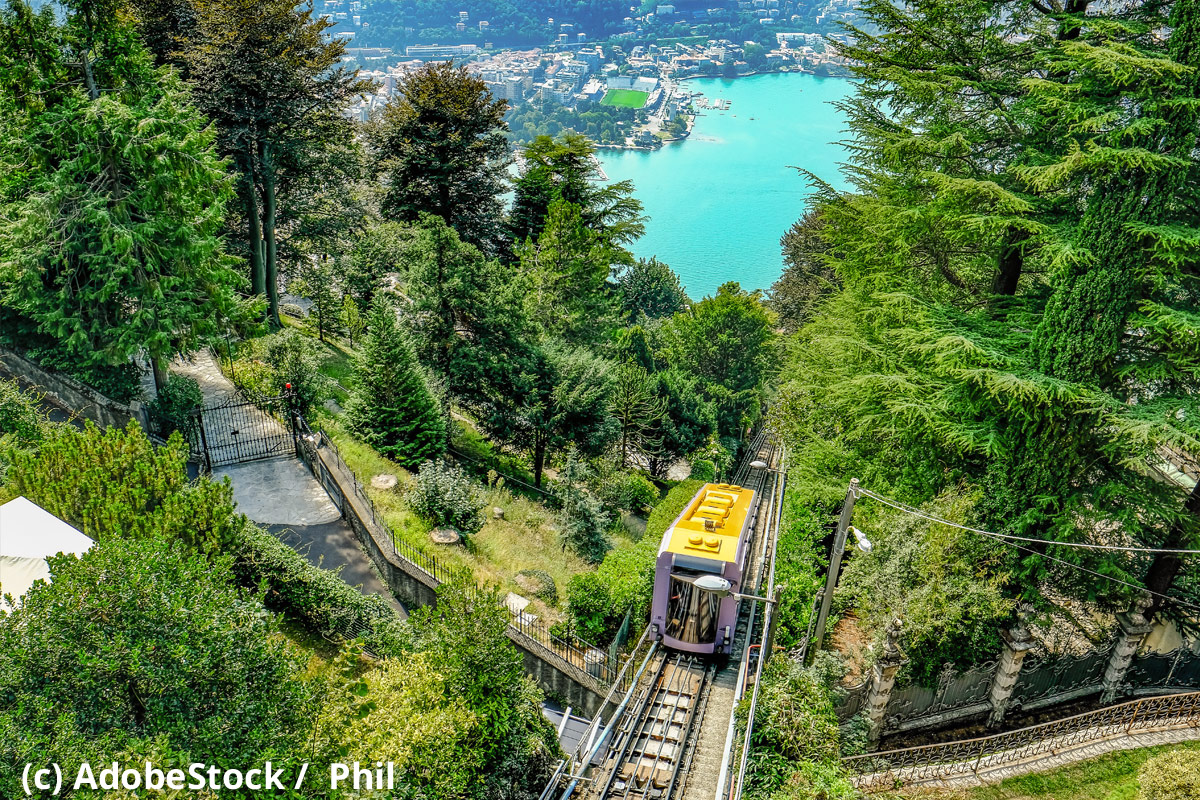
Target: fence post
{"points": [[1017, 642], [1134, 627], [883, 678]]}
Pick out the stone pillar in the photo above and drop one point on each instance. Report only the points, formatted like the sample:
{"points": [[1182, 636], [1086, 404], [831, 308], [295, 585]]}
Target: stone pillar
{"points": [[883, 677], [1017, 642], [1134, 627]]}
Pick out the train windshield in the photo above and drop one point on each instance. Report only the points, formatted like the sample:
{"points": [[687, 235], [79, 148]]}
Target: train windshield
{"points": [[691, 613]]}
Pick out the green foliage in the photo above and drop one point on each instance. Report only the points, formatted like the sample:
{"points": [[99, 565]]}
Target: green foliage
{"points": [[269, 363], [316, 597], [650, 287], [947, 585], [174, 407], [629, 491], [440, 144], [1012, 289], [640, 411], [465, 637], [598, 601], [444, 495], [799, 564], [806, 280], [582, 522], [113, 199], [138, 642], [795, 743], [116, 484], [20, 417], [566, 270], [726, 342], [391, 407], [565, 169], [1174, 775], [559, 398], [703, 469], [269, 76]]}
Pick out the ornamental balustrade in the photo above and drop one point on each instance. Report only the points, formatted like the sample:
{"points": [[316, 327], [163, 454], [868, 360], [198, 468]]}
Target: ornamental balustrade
{"points": [[1019, 680], [949, 761], [956, 694], [1053, 680]]}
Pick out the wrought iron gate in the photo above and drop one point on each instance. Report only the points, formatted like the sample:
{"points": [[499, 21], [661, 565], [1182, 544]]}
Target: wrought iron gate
{"points": [[240, 430]]}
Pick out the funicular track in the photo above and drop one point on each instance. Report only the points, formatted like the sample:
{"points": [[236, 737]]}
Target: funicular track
{"points": [[645, 758], [667, 737]]}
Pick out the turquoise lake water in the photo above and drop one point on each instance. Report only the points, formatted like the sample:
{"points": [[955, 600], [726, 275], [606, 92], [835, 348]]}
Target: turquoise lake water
{"points": [[719, 201]]}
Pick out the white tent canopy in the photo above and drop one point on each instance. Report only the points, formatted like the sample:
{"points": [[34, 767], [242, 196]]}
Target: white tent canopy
{"points": [[28, 536]]}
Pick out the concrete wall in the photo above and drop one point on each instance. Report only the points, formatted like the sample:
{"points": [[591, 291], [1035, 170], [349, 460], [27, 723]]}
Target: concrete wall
{"points": [[415, 588], [75, 396]]}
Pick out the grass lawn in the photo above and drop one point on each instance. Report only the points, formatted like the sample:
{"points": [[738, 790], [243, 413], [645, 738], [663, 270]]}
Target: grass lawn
{"points": [[1109, 777], [525, 539], [624, 98]]}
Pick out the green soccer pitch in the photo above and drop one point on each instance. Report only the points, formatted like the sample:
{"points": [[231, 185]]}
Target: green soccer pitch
{"points": [[625, 98]]}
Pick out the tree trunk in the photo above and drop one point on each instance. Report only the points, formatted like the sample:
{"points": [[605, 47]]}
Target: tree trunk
{"points": [[1009, 263], [272, 262], [158, 365], [539, 459], [258, 272], [1165, 567]]}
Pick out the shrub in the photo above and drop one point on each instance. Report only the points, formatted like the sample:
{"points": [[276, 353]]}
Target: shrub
{"points": [[444, 495], [292, 310], [274, 361], [1174, 775], [20, 416], [316, 597], [703, 470], [174, 407], [630, 491], [947, 585], [625, 579], [582, 521], [796, 740]]}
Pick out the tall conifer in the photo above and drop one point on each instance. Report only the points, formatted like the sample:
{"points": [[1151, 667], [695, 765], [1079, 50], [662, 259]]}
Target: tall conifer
{"points": [[392, 407]]}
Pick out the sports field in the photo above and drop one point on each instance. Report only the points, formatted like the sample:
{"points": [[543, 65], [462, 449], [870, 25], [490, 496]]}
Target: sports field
{"points": [[625, 98]]}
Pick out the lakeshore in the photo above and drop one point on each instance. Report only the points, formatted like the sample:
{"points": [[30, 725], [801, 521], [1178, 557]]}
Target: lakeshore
{"points": [[720, 200]]}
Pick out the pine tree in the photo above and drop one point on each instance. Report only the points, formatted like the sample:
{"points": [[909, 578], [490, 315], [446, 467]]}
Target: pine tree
{"points": [[1020, 282], [440, 143], [391, 406], [113, 200]]}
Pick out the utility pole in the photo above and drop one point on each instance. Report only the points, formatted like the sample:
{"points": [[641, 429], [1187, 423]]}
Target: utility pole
{"points": [[835, 563]]}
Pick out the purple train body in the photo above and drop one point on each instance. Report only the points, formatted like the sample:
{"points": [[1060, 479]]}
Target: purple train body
{"points": [[710, 536]]}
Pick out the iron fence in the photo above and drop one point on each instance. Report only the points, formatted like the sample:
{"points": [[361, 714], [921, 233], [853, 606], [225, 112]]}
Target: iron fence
{"points": [[1057, 679], [1178, 669], [852, 700], [955, 691], [914, 765], [603, 665]]}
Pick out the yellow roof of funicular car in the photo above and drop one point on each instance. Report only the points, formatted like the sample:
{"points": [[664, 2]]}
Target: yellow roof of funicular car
{"points": [[710, 525]]}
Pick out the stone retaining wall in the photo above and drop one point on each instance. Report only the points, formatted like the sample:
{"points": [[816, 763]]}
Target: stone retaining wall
{"points": [[415, 588], [73, 395]]}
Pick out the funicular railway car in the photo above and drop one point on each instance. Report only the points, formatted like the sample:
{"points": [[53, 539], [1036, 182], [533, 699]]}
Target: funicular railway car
{"points": [[710, 537]]}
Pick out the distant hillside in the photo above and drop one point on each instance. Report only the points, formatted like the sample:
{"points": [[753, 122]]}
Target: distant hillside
{"points": [[398, 23]]}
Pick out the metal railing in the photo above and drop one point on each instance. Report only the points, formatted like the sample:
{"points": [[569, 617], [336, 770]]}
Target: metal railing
{"points": [[915, 765], [600, 664]]}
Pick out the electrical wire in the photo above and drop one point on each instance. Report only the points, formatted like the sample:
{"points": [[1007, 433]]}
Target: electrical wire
{"points": [[1005, 539], [1080, 545]]}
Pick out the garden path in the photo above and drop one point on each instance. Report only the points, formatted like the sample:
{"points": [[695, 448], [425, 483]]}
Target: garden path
{"points": [[283, 496]]}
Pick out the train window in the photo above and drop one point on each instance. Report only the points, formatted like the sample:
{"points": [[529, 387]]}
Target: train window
{"points": [[682, 564], [691, 613]]}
